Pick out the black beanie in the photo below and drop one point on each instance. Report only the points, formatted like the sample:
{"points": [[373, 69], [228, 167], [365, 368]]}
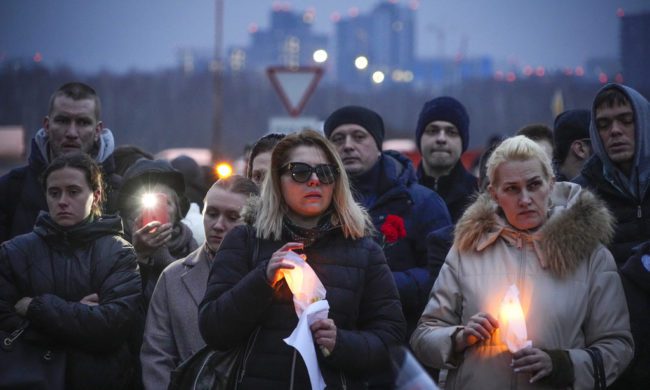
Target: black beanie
{"points": [[569, 126], [446, 109], [366, 118]]}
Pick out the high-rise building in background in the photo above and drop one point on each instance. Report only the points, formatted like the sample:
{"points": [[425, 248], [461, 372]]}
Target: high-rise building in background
{"points": [[635, 50], [289, 41], [381, 41]]}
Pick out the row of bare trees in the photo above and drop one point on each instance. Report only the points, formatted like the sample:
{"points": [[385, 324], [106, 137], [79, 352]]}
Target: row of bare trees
{"points": [[171, 109]]}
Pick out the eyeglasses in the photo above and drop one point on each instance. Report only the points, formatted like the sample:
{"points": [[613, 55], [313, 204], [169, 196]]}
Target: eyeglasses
{"points": [[301, 172]]}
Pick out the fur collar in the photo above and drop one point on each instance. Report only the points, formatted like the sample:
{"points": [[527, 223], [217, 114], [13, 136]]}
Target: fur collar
{"points": [[577, 224], [249, 211]]}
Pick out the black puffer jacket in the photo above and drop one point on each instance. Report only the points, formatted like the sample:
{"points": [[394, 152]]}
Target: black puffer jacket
{"points": [[58, 267], [363, 299]]}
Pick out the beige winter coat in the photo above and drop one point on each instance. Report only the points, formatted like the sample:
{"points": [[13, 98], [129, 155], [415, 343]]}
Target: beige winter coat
{"points": [[171, 334], [569, 287]]}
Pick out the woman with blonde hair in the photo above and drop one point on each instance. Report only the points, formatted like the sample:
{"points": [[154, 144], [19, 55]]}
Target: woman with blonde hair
{"points": [[529, 238], [305, 206]]}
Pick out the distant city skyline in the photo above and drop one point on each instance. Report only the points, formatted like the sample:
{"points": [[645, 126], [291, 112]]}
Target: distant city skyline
{"points": [[121, 35]]}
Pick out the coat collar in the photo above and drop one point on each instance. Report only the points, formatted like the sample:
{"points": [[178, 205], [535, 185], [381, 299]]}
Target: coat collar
{"points": [[195, 276], [577, 224]]}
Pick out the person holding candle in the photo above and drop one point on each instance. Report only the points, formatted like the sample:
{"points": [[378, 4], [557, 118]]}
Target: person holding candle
{"points": [[546, 239], [305, 206]]}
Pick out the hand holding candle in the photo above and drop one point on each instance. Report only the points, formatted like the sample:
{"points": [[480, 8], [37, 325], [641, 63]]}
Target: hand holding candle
{"points": [[479, 327], [324, 332], [278, 262], [532, 361]]}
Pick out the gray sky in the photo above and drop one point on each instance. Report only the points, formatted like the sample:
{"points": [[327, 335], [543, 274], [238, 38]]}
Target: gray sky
{"points": [[120, 35]]}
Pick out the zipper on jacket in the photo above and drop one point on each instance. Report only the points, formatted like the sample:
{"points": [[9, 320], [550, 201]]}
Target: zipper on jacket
{"points": [[293, 369], [520, 286], [522, 263], [639, 211]]}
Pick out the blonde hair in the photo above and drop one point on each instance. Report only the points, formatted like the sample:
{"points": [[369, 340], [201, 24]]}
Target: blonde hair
{"points": [[518, 148], [352, 218]]}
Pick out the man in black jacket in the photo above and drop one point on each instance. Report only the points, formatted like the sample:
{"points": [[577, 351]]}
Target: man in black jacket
{"points": [[442, 135], [619, 170], [402, 211], [73, 123]]}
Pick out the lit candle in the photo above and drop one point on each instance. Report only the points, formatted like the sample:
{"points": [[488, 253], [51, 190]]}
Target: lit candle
{"points": [[512, 321]]}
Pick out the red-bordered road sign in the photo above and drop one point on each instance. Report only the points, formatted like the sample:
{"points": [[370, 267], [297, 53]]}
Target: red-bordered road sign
{"points": [[294, 85]]}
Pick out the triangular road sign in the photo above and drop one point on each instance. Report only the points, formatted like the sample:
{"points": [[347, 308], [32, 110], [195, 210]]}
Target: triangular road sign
{"points": [[294, 85]]}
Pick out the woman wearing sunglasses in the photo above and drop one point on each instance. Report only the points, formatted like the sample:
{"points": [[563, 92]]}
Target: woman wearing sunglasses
{"points": [[305, 206]]}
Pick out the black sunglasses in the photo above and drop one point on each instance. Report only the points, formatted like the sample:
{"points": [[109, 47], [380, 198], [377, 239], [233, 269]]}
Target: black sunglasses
{"points": [[301, 172]]}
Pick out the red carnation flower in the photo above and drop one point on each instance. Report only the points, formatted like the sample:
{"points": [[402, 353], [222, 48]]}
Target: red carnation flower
{"points": [[393, 229]]}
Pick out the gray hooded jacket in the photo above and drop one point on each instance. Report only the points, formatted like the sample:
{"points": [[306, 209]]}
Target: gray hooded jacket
{"points": [[628, 197]]}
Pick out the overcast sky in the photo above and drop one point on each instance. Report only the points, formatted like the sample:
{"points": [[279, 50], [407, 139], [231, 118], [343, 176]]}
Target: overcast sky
{"points": [[120, 35]]}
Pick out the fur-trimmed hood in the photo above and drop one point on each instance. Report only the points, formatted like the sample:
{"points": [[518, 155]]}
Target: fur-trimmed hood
{"points": [[578, 222]]}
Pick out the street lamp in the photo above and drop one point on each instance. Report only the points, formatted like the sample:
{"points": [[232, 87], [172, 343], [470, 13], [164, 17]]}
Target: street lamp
{"points": [[378, 77], [361, 62], [320, 56]]}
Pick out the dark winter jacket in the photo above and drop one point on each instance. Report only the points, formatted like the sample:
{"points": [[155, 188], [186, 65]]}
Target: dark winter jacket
{"points": [[22, 194], [439, 243], [363, 304], [627, 197], [632, 215], [635, 274], [143, 174], [58, 267], [456, 189], [422, 211]]}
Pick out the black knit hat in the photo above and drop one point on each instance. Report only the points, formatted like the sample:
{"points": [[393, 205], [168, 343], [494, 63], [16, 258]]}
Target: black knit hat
{"points": [[446, 109], [366, 118], [569, 126]]}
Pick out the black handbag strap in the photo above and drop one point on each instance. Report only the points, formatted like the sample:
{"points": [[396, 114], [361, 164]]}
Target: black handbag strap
{"points": [[600, 380]]}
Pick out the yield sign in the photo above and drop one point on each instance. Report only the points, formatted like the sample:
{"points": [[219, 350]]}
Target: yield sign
{"points": [[294, 85]]}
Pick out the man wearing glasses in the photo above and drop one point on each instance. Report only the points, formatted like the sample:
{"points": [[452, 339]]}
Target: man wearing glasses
{"points": [[403, 211], [619, 170], [572, 143]]}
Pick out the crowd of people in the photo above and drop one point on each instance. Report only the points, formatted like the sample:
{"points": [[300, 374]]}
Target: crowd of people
{"points": [[116, 267]]}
